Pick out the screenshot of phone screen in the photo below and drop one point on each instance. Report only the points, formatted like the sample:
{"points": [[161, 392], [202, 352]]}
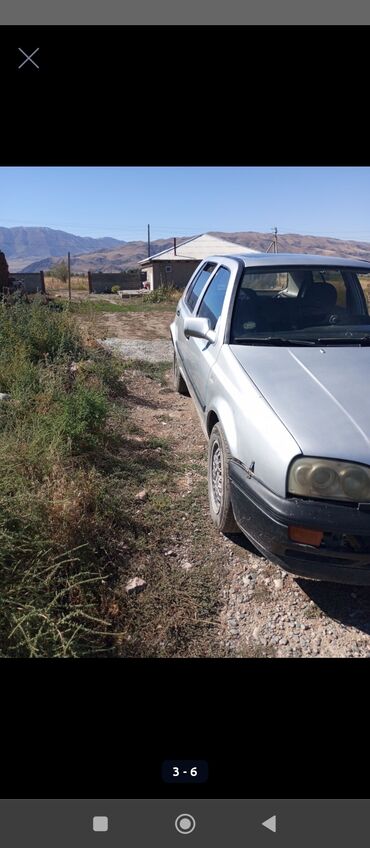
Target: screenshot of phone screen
{"points": [[184, 420]]}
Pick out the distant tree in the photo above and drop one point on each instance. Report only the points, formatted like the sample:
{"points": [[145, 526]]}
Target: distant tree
{"points": [[60, 271], [4, 272]]}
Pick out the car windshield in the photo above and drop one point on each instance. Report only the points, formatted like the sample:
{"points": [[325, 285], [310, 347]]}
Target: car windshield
{"points": [[308, 304]]}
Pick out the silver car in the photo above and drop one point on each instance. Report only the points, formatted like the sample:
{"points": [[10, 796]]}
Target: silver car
{"points": [[274, 350]]}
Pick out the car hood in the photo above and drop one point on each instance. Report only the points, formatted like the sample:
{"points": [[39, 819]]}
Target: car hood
{"points": [[321, 395]]}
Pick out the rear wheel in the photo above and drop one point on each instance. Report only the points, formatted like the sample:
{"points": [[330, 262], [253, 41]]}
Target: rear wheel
{"points": [[218, 482], [178, 380]]}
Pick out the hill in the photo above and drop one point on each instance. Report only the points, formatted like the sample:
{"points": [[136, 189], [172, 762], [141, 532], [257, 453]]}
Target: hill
{"points": [[296, 243], [22, 245], [126, 255]]}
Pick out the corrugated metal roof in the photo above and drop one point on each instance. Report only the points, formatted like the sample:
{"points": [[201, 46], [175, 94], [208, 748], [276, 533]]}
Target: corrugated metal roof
{"points": [[198, 248]]}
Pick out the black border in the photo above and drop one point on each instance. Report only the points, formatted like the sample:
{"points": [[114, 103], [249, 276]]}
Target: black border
{"points": [[297, 726], [210, 95]]}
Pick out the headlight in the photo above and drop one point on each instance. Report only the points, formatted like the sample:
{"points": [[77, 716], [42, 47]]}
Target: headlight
{"points": [[330, 479]]}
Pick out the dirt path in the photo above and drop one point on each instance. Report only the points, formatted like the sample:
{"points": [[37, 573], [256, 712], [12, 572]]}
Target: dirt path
{"points": [[135, 325]]}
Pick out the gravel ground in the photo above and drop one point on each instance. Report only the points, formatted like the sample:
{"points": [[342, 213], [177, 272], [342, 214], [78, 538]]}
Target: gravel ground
{"points": [[268, 612], [152, 351]]}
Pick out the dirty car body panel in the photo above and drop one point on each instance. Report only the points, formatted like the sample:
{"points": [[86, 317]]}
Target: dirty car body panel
{"points": [[285, 370]]}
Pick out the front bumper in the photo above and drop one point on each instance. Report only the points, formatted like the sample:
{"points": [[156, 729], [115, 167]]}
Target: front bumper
{"points": [[344, 553]]}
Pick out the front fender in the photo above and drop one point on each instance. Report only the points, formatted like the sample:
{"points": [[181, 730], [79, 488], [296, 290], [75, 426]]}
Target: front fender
{"points": [[225, 415], [255, 434], [173, 332]]}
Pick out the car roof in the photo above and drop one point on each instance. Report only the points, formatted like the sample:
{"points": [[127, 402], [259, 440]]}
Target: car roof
{"points": [[252, 260]]}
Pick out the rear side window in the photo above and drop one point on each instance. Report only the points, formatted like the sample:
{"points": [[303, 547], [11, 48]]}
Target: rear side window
{"points": [[267, 281], [198, 284], [335, 278], [364, 281], [213, 301]]}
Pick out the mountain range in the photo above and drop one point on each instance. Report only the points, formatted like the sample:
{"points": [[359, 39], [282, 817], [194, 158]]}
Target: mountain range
{"points": [[118, 259], [296, 243], [22, 245], [38, 248]]}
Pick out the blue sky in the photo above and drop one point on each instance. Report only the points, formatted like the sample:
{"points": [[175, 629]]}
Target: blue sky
{"points": [[120, 202]]}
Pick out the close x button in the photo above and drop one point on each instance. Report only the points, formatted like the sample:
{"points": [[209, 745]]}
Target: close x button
{"points": [[26, 58]]}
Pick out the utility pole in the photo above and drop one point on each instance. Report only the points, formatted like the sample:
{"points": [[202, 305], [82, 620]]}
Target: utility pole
{"points": [[274, 243], [148, 239], [69, 277]]}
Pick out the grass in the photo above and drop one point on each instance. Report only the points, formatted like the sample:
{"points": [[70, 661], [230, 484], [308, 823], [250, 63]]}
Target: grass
{"points": [[160, 300], [71, 463], [93, 307], [180, 615], [56, 513], [153, 370], [177, 615], [77, 284]]}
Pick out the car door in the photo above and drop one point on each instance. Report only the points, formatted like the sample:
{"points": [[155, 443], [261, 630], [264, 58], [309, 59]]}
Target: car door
{"points": [[186, 308], [202, 354]]}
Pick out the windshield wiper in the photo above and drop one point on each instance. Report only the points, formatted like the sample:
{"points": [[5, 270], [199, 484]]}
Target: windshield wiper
{"points": [[273, 340], [349, 339]]}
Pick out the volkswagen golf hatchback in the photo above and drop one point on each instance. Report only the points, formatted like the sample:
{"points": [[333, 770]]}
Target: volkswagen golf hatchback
{"points": [[274, 350]]}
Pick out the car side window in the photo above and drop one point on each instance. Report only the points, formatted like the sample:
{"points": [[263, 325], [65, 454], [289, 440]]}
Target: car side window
{"points": [[213, 300], [198, 284]]}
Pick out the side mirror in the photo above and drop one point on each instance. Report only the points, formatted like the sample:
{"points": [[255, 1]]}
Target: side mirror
{"points": [[199, 328]]}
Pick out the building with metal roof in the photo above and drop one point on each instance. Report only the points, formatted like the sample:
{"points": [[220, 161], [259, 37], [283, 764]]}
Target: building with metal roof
{"points": [[176, 265]]}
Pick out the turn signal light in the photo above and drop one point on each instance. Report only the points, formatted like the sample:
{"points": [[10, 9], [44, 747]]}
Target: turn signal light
{"points": [[304, 536]]}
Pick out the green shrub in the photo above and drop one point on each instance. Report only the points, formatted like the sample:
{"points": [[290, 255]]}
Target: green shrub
{"points": [[60, 271], [55, 515], [115, 289], [40, 329], [160, 295], [104, 370], [79, 417]]}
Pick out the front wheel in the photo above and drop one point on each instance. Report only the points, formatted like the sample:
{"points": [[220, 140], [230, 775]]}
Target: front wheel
{"points": [[218, 482]]}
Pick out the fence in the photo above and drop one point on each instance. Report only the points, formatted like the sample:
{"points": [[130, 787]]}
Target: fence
{"points": [[31, 282], [100, 283]]}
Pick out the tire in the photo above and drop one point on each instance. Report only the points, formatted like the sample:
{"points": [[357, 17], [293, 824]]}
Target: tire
{"points": [[218, 482], [178, 380]]}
